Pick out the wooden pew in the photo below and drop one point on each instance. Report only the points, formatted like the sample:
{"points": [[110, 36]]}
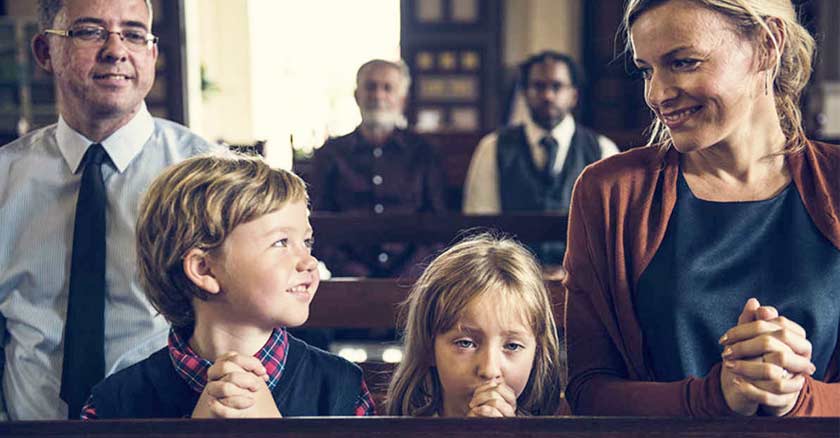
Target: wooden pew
{"points": [[372, 303], [537, 427], [332, 228]]}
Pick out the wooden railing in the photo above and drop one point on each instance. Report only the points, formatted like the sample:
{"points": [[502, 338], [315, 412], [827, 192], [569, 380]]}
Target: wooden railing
{"points": [[424, 228], [563, 427], [373, 303]]}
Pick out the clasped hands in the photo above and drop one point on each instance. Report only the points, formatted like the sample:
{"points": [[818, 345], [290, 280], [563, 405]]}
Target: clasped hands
{"points": [[493, 399], [765, 360], [236, 388]]}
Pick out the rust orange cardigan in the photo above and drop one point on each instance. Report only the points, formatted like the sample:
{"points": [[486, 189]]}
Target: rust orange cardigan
{"points": [[617, 220]]}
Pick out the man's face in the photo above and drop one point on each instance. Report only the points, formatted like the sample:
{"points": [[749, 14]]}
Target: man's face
{"points": [[108, 79], [550, 93], [380, 96]]}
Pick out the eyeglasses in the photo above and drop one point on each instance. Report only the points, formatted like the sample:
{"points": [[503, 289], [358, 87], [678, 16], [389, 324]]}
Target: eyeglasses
{"points": [[95, 36]]}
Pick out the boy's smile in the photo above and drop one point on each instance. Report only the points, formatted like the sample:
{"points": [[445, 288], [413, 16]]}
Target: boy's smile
{"points": [[266, 271]]}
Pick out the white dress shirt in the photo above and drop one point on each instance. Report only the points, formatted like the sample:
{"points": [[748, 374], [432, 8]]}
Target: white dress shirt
{"points": [[39, 185], [481, 188]]}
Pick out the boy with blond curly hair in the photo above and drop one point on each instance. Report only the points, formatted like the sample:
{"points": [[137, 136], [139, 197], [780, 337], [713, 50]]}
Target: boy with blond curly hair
{"points": [[224, 247]]}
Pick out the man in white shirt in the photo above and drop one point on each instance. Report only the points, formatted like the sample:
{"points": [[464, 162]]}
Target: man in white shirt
{"points": [[71, 308], [533, 166]]}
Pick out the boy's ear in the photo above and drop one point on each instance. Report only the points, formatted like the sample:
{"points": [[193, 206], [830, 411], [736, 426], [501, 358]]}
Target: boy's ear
{"points": [[197, 268]]}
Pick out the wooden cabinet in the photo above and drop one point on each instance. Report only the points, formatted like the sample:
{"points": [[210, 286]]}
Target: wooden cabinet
{"points": [[168, 97], [612, 102], [27, 95], [452, 49]]}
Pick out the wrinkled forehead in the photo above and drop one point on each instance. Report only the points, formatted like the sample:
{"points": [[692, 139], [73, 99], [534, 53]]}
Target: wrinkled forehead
{"points": [[106, 12]]}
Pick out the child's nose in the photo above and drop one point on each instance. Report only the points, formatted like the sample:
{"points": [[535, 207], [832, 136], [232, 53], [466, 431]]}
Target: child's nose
{"points": [[489, 367], [307, 263]]}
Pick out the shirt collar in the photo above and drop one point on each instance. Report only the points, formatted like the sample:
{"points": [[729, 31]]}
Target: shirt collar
{"points": [[563, 132], [122, 146], [397, 138], [193, 368]]}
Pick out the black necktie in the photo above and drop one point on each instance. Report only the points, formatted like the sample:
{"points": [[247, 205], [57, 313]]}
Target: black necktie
{"points": [[550, 145], [84, 329]]}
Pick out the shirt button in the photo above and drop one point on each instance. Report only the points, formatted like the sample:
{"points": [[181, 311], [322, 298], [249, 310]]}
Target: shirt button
{"points": [[383, 257], [378, 208], [377, 152], [377, 179]]}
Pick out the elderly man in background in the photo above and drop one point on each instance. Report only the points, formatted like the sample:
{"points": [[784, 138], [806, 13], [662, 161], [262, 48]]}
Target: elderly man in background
{"points": [[71, 309], [378, 168]]}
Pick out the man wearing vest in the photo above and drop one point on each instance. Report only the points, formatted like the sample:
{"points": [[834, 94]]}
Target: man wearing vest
{"points": [[532, 166]]}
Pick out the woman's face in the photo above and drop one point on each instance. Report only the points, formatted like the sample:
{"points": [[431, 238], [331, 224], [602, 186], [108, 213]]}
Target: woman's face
{"points": [[702, 79]]}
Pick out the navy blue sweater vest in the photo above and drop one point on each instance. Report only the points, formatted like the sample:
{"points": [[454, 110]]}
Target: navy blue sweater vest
{"points": [[313, 383], [523, 187]]}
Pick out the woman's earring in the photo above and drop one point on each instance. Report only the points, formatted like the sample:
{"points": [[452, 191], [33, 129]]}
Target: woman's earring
{"points": [[767, 83]]}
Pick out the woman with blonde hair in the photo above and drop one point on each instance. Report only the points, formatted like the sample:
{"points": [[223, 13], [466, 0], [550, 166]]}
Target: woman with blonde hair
{"points": [[703, 268], [480, 336]]}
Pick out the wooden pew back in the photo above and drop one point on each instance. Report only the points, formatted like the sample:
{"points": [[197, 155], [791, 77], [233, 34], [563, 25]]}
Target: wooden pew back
{"points": [[333, 228], [535, 427], [373, 303]]}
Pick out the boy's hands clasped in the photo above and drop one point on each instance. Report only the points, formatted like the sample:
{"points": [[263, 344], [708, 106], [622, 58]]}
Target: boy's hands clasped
{"points": [[765, 360], [236, 388]]}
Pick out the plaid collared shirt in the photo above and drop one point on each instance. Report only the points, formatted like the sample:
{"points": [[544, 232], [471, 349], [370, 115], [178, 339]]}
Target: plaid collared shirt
{"points": [[193, 369]]}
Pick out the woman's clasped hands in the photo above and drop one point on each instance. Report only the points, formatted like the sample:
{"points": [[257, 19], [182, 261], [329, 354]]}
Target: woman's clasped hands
{"points": [[765, 360]]}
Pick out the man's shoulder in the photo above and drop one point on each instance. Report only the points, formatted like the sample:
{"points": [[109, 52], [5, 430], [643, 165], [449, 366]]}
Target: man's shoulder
{"points": [[591, 133], [419, 145], [340, 141], [583, 128], [413, 137], [180, 136], [508, 134], [27, 144], [26, 157], [508, 130]]}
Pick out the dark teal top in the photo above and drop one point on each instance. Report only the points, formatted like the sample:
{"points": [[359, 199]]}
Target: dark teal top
{"points": [[715, 256]]}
